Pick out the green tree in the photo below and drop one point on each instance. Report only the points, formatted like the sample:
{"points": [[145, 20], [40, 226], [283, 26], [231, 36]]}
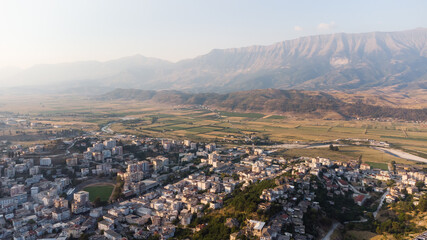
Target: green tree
{"points": [[97, 202], [333, 148], [419, 185], [422, 205], [390, 182]]}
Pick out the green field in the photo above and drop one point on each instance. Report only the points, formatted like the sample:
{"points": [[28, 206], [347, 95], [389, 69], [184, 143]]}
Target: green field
{"points": [[382, 166], [275, 117], [244, 115], [101, 191]]}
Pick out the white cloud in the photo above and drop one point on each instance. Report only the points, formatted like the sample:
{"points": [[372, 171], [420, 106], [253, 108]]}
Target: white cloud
{"points": [[325, 26], [298, 28]]}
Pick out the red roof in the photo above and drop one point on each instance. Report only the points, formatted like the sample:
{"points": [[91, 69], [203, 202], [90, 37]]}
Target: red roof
{"points": [[359, 198], [342, 182]]}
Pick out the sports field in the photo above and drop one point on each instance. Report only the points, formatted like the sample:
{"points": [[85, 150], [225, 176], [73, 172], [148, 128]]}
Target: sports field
{"points": [[101, 191]]}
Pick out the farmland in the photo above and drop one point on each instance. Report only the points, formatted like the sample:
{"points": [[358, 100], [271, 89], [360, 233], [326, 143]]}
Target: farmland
{"points": [[197, 124]]}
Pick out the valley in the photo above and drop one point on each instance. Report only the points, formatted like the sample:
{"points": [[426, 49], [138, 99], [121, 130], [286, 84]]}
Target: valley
{"points": [[205, 124]]}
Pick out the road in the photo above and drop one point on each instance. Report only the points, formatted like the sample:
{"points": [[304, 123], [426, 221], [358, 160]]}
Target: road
{"points": [[381, 204], [357, 221], [107, 129], [401, 154], [327, 145], [394, 152], [289, 146], [331, 231], [356, 191], [69, 147]]}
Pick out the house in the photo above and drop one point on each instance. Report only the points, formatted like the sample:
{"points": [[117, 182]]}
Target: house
{"points": [[75, 231], [268, 234], [359, 199], [343, 184], [257, 227], [105, 225], [412, 190], [186, 219], [389, 198], [110, 234], [234, 236], [365, 166]]}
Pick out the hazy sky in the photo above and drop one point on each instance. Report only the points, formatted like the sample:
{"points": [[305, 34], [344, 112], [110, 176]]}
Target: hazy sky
{"points": [[48, 31]]}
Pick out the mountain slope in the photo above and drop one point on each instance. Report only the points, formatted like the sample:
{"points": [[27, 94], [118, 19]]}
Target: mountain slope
{"points": [[337, 61], [317, 104], [326, 62]]}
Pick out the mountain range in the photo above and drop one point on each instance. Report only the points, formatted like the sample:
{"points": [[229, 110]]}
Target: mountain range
{"points": [[343, 62]]}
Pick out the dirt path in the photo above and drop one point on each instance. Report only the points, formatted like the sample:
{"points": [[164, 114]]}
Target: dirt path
{"points": [[94, 182], [110, 198]]}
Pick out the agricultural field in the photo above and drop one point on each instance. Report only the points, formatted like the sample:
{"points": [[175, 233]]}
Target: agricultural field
{"points": [[101, 191], [199, 124]]}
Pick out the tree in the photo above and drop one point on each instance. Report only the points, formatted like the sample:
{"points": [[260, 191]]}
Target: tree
{"points": [[419, 185], [422, 205], [390, 182], [235, 176], [154, 237], [85, 236], [360, 159], [333, 148], [97, 202]]}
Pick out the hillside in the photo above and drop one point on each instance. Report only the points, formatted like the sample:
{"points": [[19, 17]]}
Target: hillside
{"points": [[317, 104], [337, 61], [345, 62]]}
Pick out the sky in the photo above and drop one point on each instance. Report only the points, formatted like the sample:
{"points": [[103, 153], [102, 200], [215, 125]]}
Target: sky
{"points": [[57, 31]]}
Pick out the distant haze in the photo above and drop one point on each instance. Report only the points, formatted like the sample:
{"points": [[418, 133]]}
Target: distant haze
{"points": [[51, 32], [339, 61]]}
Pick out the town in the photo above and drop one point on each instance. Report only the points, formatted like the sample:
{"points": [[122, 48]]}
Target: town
{"points": [[100, 186]]}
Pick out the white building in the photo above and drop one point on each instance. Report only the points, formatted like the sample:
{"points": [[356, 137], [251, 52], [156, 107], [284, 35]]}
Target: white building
{"points": [[45, 161], [110, 144]]}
